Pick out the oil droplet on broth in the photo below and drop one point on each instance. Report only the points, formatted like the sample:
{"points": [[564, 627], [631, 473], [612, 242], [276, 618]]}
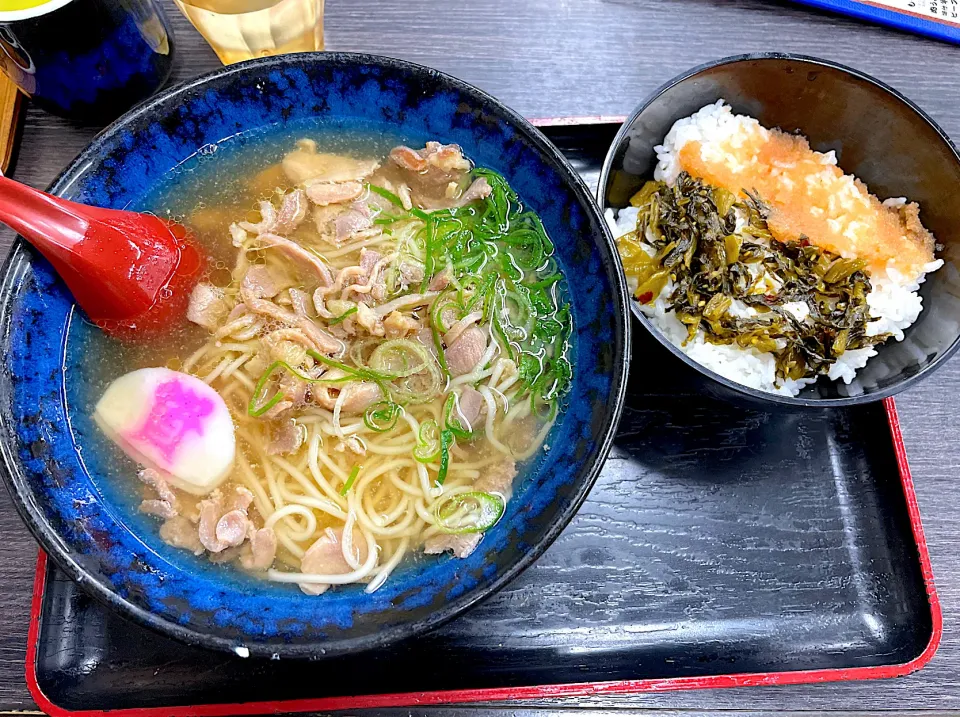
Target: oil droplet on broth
{"points": [[246, 171]]}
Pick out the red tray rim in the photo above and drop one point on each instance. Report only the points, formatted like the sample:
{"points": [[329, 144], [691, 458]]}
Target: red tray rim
{"points": [[574, 689]]}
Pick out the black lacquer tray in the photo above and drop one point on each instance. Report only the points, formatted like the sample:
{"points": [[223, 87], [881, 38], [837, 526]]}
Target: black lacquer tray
{"points": [[721, 546]]}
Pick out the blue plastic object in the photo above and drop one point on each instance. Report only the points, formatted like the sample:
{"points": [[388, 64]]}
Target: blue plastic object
{"points": [[939, 19]]}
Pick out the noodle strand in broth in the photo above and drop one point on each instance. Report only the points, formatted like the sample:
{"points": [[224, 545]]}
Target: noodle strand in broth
{"points": [[390, 342]]}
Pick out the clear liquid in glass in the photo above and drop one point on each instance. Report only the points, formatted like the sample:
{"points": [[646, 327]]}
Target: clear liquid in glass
{"points": [[243, 29]]}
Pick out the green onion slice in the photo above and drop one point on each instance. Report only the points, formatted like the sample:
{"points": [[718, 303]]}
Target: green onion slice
{"points": [[356, 372], [350, 480], [446, 438], [429, 442], [429, 260], [337, 319], [501, 263], [400, 358], [547, 282], [386, 194], [382, 417], [472, 512], [452, 421], [446, 300], [257, 407]]}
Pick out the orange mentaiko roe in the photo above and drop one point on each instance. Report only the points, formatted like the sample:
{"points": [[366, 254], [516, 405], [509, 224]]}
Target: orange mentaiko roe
{"points": [[809, 195]]}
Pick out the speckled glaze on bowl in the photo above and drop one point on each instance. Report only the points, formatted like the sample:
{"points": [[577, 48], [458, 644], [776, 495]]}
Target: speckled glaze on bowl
{"points": [[55, 486]]}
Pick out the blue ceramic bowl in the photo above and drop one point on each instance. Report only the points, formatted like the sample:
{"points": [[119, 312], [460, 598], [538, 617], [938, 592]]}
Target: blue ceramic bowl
{"points": [[63, 492]]}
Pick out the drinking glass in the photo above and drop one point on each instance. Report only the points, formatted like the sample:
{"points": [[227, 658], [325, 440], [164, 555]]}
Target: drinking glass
{"points": [[243, 29]]}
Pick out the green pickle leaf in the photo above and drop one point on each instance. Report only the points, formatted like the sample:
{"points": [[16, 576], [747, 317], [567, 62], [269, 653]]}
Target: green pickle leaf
{"points": [[717, 254]]}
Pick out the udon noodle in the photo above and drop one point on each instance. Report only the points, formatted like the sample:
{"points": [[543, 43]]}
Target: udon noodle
{"points": [[391, 342]]}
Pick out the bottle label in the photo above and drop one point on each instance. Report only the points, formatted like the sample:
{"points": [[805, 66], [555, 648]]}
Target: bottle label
{"points": [[945, 11]]}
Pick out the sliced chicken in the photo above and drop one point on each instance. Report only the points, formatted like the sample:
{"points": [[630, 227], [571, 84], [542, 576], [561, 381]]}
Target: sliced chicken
{"points": [[258, 283], [398, 325], [165, 504], [320, 303], [153, 479], [372, 263], [325, 557], [358, 395], [305, 163], [208, 306], [278, 410], [287, 345], [300, 302], [228, 555], [321, 341], [326, 193], [460, 545], [293, 210], [326, 395], [438, 175], [312, 264], [324, 342], [349, 223], [368, 319], [435, 163], [409, 159], [465, 353], [337, 223], [368, 260], [158, 508], [293, 390], [222, 517], [263, 550], [181, 533], [425, 337], [497, 478], [238, 235], [470, 404], [324, 219], [268, 219], [479, 189], [459, 327], [411, 274], [285, 438], [231, 529], [440, 281]]}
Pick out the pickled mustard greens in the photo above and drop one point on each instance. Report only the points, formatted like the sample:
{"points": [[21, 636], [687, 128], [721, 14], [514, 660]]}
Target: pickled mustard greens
{"points": [[717, 259]]}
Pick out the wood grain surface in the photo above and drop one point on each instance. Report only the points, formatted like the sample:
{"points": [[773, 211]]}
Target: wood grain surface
{"points": [[11, 106], [592, 57]]}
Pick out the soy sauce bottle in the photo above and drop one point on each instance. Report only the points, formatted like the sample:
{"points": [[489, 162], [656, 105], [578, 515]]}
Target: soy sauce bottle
{"points": [[88, 60]]}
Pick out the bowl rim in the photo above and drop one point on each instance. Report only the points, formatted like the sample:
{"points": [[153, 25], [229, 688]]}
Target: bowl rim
{"points": [[753, 393], [19, 261]]}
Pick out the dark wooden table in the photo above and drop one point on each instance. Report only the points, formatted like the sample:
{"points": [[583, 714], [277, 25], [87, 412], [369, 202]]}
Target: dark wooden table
{"points": [[589, 57]]}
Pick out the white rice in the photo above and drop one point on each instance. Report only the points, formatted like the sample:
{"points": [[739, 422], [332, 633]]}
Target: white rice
{"points": [[893, 301]]}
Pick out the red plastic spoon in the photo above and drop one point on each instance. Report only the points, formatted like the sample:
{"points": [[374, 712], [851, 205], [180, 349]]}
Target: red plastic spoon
{"points": [[131, 273]]}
